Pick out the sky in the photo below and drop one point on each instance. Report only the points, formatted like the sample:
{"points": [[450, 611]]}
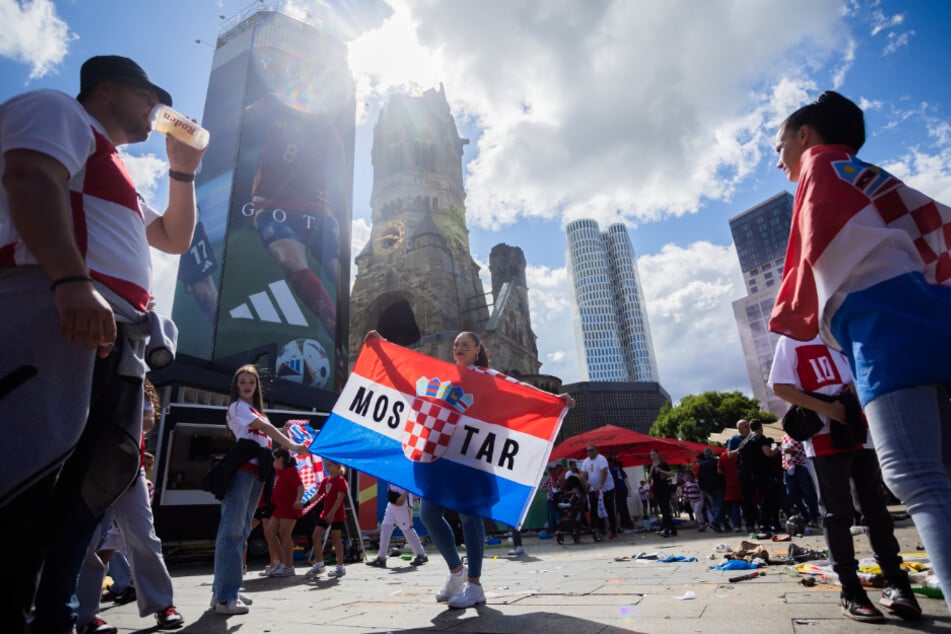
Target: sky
{"points": [[660, 115]]}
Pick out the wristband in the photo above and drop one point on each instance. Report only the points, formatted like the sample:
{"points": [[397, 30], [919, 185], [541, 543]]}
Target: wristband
{"points": [[184, 177], [68, 279]]}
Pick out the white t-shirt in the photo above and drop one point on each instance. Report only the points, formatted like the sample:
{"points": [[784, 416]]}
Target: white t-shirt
{"points": [[240, 417], [812, 366], [108, 218], [593, 469]]}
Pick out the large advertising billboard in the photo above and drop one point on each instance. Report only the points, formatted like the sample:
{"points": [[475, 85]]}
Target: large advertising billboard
{"points": [[270, 260]]}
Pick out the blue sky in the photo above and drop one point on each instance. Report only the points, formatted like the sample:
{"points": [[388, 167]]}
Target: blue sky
{"points": [[659, 115]]}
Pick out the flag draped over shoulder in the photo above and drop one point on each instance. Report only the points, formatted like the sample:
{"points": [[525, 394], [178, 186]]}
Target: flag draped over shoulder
{"points": [[470, 439], [309, 466], [854, 226]]}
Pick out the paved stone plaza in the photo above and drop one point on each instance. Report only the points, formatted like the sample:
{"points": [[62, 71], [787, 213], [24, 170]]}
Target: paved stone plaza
{"points": [[571, 589]]}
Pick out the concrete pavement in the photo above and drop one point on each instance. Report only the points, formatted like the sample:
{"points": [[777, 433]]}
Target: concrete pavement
{"points": [[575, 588]]}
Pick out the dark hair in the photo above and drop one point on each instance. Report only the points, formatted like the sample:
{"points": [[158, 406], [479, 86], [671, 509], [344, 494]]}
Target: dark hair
{"points": [[257, 400], [482, 359], [837, 120], [284, 455], [756, 425]]}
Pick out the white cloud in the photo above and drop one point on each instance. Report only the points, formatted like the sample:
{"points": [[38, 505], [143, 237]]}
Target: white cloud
{"points": [[689, 294], [604, 110], [880, 22], [843, 67], [146, 170], [33, 34], [359, 235], [550, 304], [897, 41]]}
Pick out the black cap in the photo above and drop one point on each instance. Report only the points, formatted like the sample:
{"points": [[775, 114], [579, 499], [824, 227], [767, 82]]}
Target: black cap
{"points": [[105, 67]]}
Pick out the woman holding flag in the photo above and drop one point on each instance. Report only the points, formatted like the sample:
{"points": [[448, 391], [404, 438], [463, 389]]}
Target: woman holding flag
{"points": [[463, 588], [868, 268]]}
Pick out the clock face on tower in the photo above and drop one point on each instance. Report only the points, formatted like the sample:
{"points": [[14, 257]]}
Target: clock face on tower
{"points": [[390, 238]]}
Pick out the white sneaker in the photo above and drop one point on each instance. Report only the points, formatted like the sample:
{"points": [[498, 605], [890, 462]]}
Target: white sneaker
{"points": [[515, 552], [245, 599], [470, 596], [283, 570], [337, 572], [453, 585], [234, 606], [268, 570], [315, 570]]}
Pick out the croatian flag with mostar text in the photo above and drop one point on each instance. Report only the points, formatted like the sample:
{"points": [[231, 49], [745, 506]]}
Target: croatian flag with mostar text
{"points": [[470, 439]]}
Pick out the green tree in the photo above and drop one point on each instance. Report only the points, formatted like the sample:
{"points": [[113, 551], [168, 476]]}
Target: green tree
{"points": [[698, 416]]}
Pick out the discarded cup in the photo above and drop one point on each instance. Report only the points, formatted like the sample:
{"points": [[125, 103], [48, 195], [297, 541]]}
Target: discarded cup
{"points": [[173, 123]]}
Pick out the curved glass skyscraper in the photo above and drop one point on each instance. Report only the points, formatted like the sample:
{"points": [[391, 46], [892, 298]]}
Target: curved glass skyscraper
{"points": [[611, 327]]}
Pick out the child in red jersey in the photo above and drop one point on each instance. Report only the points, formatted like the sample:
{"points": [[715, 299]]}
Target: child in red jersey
{"points": [[288, 504], [334, 516]]}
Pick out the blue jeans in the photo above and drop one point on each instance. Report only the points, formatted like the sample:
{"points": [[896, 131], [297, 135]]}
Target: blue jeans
{"points": [[913, 441], [552, 515], [473, 530], [120, 572], [800, 489], [237, 509], [715, 498]]}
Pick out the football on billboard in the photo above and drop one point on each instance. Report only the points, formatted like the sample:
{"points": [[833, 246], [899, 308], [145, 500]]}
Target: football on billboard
{"points": [[304, 361]]}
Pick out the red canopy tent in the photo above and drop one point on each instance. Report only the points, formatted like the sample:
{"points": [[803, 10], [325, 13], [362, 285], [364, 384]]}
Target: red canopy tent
{"points": [[633, 448], [695, 448]]}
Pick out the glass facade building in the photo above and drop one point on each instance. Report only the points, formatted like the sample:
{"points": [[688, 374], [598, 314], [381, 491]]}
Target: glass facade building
{"points": [[611, 327], [760, 235]]}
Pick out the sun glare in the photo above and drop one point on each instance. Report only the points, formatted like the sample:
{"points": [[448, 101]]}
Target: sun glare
{"points": [[391, 57]]}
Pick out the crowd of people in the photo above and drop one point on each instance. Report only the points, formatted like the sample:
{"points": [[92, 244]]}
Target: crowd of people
{"points": [[862, 309]]}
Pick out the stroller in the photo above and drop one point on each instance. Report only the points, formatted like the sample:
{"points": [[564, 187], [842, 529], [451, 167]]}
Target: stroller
{"points": [[572, 505]]}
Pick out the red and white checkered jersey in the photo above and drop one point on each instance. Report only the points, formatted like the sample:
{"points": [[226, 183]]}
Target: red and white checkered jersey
{"points": [[811, 366], [107, 219]]}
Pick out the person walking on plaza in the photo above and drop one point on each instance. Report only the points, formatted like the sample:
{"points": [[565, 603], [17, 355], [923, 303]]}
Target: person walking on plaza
{"points": [[712, 484], [252, 455], [135, 529], [332, 516], [758, 457], [463, 587], [601, 489], [621, 493], [866, 270], [798, 480], [288, 507], [803, 373], [660, 474], [398, 513], [75, 284], [744, 475], [551, 485]]}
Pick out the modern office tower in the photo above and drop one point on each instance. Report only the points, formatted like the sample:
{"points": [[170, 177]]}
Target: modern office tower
{"points": [[611, 327], [760, 235], [266, 279]]}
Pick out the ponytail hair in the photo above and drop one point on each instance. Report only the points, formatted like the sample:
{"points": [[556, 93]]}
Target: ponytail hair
{"points": [[482, 359], [837, 120]]}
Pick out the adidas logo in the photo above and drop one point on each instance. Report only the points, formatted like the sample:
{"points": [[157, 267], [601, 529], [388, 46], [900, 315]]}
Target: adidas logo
{"points": [[264, 306]]}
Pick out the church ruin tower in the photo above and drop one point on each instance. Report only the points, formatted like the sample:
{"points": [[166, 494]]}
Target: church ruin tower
{"points": [[416, 282], [509, 330]]}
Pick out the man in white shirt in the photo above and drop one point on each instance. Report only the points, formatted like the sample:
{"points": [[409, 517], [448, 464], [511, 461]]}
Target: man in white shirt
{"points": [[601, 483]]}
